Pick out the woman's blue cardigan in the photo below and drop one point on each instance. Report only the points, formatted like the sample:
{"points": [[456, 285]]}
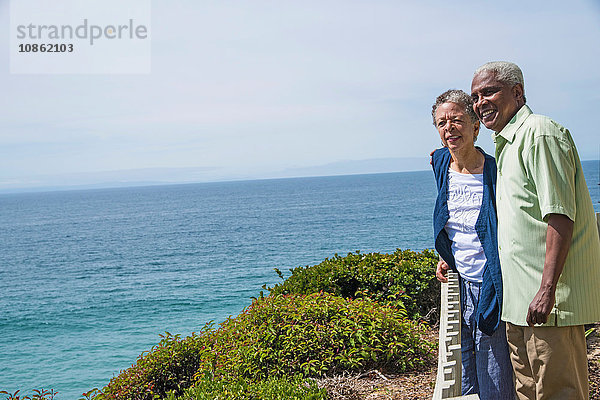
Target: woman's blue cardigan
{"points": [[490, 299]]}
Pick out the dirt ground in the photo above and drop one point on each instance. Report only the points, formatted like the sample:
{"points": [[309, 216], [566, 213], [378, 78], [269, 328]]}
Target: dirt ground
{"points": [[416, 386]]}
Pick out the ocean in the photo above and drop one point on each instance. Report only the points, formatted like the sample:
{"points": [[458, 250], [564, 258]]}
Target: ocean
{"points": [[91, 278]]}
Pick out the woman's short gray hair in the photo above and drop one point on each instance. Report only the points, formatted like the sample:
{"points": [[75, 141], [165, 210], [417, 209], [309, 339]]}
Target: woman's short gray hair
{"points": [[506, 72], [457, 97]]}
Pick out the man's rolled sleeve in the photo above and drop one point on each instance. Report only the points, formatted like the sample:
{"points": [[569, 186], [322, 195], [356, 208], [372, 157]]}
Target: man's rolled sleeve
{"points": [[552, 168]]}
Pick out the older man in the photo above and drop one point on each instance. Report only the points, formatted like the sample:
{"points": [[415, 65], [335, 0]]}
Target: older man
{"points": [[547, 239]]}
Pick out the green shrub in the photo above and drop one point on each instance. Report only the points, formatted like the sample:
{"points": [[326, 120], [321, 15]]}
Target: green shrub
{"points": [[38, 394], [279, 336], [314, 335], [404, 276], [43, 394], [169, 366], [270, 389]]}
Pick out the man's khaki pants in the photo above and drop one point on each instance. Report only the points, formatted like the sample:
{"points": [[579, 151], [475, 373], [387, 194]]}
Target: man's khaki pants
{"points": [[550, 363]]}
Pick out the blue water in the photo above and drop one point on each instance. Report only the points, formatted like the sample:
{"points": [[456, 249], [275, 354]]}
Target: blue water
{"points": [[91, 278]]}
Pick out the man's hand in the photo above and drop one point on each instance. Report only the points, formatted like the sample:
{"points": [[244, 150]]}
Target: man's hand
{"points": [[558, 241], [442, 269], [541, 306]]}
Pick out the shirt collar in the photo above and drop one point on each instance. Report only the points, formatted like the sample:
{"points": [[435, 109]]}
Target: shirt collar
{"points": [[509, 131]]}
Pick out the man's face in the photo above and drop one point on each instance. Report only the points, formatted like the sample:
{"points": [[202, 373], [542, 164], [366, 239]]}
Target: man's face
{"points": [[494, 102]]}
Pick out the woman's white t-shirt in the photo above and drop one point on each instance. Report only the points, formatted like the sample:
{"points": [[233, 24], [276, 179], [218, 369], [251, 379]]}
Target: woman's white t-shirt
{"points": [[465, 194]]}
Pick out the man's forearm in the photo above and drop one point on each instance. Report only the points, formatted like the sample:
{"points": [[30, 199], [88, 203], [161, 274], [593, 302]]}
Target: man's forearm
{"points": [[558, 242]]}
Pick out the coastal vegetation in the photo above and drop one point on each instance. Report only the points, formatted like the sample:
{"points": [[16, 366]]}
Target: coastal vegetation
{"points": [[404, 278], [351, 314]]}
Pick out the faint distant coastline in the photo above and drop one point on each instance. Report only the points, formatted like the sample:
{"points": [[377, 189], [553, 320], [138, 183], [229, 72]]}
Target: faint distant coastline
{"points": [[165, 176], [173, 176]]}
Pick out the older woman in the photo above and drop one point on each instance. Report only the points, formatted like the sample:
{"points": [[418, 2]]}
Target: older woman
{"points": [[464, 222]]}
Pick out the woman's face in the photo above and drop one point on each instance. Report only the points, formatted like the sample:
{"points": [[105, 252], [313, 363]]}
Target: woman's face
{"points": [[455, 127]]}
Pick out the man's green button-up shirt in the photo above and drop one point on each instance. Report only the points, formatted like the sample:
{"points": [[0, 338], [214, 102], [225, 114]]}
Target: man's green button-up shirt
{"points": [[539, 173]]}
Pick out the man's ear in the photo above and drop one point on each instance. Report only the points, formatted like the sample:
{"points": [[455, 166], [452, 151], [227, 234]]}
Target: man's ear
{"points": [[518, 92]]}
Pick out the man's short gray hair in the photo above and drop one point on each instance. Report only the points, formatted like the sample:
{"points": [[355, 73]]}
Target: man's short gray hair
{"points": [[506, 72], [457, 97]]}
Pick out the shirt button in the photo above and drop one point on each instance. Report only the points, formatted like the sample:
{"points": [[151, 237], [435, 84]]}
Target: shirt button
{"points": [[499, 247]]}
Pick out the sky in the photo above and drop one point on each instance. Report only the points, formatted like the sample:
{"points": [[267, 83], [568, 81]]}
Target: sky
{"points": [[254, 89]]}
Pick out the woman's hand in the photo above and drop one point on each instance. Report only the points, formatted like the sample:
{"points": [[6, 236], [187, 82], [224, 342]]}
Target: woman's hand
{"points": [[442, 269]]}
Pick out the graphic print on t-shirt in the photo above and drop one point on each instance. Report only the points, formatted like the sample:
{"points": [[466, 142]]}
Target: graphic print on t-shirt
{"points": [[465, 194]]}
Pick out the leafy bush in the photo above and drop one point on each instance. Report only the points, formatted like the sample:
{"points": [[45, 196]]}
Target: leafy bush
{"points": [[277, 336], [169, 366], [404, 276], [270, 389], [43, 394], [316, 334], [38, 394]]}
